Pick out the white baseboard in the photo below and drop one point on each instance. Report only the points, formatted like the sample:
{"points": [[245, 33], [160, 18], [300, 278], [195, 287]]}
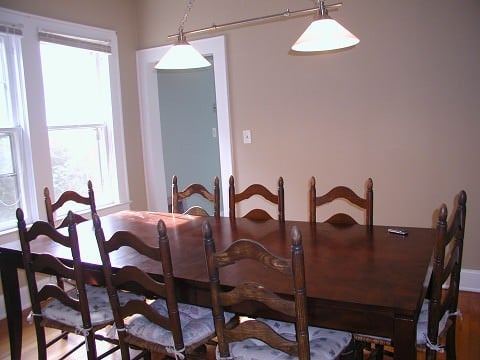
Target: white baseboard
{"points": [[470, 281]]}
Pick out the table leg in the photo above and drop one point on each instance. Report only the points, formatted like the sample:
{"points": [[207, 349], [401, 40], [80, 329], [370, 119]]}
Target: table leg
{"points": [[13, 306], [405, 339]]}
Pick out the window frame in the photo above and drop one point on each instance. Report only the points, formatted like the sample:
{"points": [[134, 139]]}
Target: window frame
{"points": [[21, 160], [34, 142], [15, 135]]}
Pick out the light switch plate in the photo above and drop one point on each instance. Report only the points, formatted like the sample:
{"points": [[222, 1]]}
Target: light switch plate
{"points": [[247, 137]]}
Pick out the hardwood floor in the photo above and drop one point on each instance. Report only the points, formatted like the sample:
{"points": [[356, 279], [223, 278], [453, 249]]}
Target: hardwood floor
{"points": [[468, 336]]}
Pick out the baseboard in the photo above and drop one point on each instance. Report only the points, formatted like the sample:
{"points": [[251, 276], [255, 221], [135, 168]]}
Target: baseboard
{"points": [[470, 281]]}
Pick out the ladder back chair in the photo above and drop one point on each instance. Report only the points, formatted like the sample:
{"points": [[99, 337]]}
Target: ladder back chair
{"points": [[259, 190], [69, 195], [65, 197], [263, 338], [199, 189], [437, 321], [160, 325], [83, 310], [345, 193]]}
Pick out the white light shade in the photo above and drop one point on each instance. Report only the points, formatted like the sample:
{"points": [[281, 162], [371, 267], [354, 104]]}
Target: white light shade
{"points": [[182, 56], [325, 34]]}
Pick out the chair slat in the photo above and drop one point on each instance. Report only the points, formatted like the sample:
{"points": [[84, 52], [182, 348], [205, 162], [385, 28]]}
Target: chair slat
{"points": [[263, 332], [66, 197], [245, 248], [47, 263], [257, 190], [345, 193], [254, 291], [124, 277], [192, 189]]}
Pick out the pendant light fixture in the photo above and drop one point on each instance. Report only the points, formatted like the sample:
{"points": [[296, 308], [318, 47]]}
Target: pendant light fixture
{"points": [[182, 55], [323, 34]]}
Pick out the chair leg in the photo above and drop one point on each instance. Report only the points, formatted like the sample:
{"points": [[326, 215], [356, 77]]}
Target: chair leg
{"points": [[430, 354], [145, 355], [359, 346], [450, 343], [375, 352], [91, 346], [125, 351], [379, 352], [41, 342]]}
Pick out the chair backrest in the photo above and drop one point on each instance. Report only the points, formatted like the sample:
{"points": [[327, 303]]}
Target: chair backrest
{"points": [[199, 189], [69, 195], [342, 192], [137, 279], [447, 264], [260, 190], [292, 270], [42, 263]]}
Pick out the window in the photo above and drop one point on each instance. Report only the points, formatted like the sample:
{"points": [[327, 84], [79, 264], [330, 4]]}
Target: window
{"points": [[78, 133], [60, 115], [11, 121]]}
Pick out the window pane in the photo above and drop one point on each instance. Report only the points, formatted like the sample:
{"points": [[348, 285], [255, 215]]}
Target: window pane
{"points": [[77, 85], [6, 161], [9, 190], [5, 117], [77, 156]]}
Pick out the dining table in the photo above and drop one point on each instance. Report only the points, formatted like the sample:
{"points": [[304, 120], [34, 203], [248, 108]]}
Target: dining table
{"points": [[362, 279]]}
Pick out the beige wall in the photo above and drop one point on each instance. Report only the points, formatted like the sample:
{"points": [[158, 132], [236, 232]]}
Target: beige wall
{"points": [[120, 16], [401, 107]]}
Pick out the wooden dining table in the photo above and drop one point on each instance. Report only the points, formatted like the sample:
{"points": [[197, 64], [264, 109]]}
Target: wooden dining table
{"points": [[359, 279]]}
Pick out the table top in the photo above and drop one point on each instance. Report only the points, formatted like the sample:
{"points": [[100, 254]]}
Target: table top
{"points": [[362, 269]]}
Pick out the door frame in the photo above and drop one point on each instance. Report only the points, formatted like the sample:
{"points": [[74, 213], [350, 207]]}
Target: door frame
{"points": [[150, 120]]}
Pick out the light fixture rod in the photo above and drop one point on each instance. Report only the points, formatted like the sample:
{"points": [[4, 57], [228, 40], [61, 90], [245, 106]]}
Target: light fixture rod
{"points": [[284, 14]]}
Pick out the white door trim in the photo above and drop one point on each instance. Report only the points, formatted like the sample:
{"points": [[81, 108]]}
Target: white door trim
{"points": [[150, 119]]}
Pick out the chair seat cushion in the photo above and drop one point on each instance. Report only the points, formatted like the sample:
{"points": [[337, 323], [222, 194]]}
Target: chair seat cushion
{"points": [[422, 328], [324, 343], [98, 302], [197, 324]]}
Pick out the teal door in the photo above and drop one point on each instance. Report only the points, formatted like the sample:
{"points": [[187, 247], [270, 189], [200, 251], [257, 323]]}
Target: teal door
{"points": [[189, 129]]}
